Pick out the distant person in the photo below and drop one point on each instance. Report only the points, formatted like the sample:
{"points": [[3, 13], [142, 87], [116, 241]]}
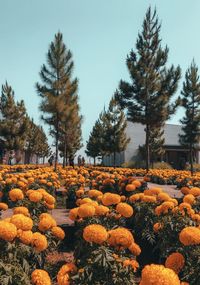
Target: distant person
{"points": [[10, 157], [79, 160], [83, 161], [50, 161], [71, 160]]}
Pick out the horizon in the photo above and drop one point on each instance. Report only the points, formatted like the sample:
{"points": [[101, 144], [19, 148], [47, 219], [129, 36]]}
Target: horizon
{"points": [[100, 35]]}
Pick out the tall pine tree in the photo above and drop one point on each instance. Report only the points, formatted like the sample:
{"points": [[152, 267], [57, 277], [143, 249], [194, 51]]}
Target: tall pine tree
{"points": [[191, 102], [55, 77], [14, 121], [94, 143], [148, 96], [115, 139]]}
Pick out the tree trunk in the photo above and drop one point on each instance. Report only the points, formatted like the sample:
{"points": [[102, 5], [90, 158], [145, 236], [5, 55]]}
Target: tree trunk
{"points": [[56, 158], [64, 155], [114, 159], [94, 161], [43, 160], [147, 148], [191, 160]]}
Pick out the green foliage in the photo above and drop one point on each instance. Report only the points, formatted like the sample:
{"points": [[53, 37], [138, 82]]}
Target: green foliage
{"points": [[190, 102], [13, 124], [55, 90], [148, 97]]}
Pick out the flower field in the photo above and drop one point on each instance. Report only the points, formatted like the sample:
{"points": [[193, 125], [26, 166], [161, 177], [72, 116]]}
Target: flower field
{"points": [[123, 233]]}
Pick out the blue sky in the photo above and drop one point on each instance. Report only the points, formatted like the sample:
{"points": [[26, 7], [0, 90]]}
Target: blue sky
{"points": [[100, 34]]}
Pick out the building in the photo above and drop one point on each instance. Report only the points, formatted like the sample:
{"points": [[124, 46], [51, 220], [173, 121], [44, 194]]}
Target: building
{"points": [[175, 153]]}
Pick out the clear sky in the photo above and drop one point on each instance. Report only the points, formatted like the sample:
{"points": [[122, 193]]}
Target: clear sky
{"points": [[100, 34]]}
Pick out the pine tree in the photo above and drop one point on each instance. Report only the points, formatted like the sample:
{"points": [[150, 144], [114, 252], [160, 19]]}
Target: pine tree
{"points": [[190, 102], [14, 122], [70, 126], [115, 140], [148, 97], [42, 148], [156, 145], [55, 76], [93, 146]]}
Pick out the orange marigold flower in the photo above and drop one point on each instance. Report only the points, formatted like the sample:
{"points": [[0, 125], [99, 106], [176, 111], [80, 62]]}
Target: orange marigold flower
{"points": [[58, 232], [63, 276], [22, 222], [101, 210], [8, 231], [25, 236], [195, 191], [86, 210], [157, 227], [40, 277], [147, 198], [109, 199], [133, 263], [73, 214], [16, 194], [3, 206], [21, 210], [39, 241], [190, 236], [157, 274], [189, 199], [175, 261], [134, 198], [125, 210], [94, 193], [135, 249], [120, 237], [163, 196], [130, 187], [95, 233], [35, 196]]}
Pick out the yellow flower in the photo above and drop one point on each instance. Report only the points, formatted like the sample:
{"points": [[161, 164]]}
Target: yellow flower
{"points": [[94, 193], [40, 277], [39, 241], [21, 210], [134, 198], [16, 194], [86, 210], [175, 261], [63, 277], [135, 249], [49, 199], [58, 233], [8, 231], [195, 191], [157, 227], [163, 196], [22, 222], [35, 196], [95, 233], [120, 237], [109, 199], [3, 206], [190, 236], [45, 224], [133, 263], [25, 236], [101, 210], [73, 213], [189, 199], [157, 274], [125, 210]]}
